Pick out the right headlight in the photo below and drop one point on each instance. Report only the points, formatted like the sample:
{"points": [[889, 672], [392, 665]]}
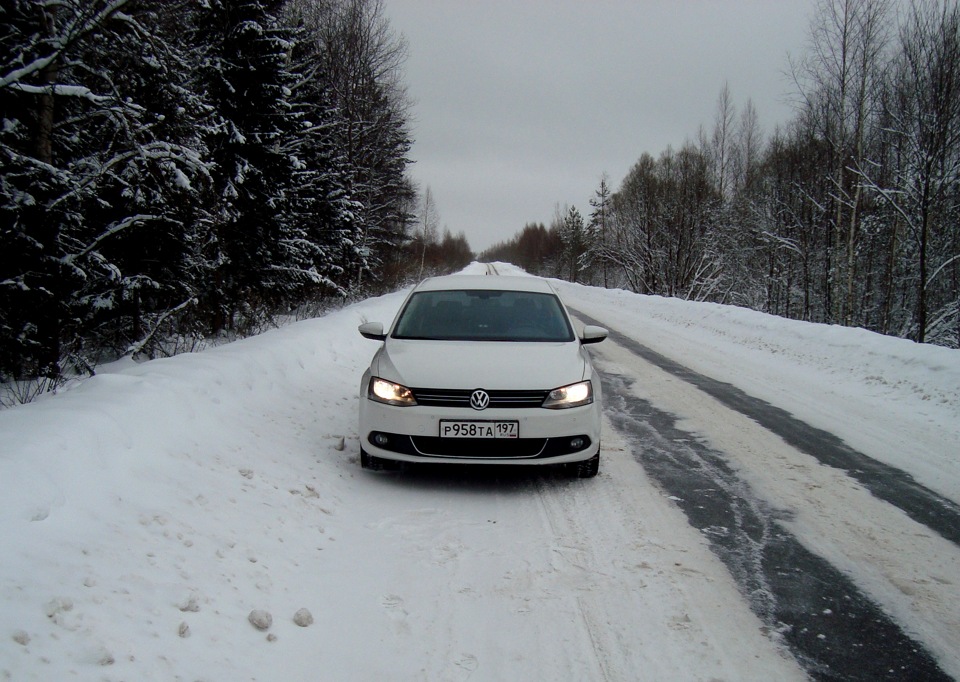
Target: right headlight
{"points": [[384, 391], [573, 395]]}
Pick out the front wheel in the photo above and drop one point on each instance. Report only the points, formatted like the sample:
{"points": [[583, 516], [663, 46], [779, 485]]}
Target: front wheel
{"points": [[588, 468]]}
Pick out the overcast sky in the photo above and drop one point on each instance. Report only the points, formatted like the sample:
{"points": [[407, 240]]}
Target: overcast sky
{"points": [[521, 105]]}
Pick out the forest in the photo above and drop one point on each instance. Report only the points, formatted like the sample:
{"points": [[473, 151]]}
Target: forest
{"points": [[847, 214], [176, 171]]}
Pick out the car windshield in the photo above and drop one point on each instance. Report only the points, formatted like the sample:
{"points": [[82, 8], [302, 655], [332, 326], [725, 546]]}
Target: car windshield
{"points": [[483, 315]]}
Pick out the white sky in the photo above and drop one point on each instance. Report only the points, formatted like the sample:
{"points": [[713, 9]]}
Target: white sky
{"points": [[522, 105]]}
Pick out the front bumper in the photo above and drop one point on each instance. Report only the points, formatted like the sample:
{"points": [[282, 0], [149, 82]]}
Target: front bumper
{"points": [[411, 434]]}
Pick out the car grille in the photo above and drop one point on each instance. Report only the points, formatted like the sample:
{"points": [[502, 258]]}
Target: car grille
{"points": [[441, 397]]}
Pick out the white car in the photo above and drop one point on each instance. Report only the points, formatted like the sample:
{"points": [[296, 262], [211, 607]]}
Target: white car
{"points": [[481, 369]]}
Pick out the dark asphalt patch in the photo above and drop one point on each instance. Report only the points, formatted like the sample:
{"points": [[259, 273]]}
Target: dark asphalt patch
{"points": [[833, 630], [885, 482]]}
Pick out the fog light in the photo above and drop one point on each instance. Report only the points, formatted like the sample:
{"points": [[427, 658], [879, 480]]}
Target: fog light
{"points": [[576, 443], [380, 439]]}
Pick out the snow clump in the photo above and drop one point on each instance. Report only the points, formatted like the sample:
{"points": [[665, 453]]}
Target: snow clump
{"points": [[303, 618]]}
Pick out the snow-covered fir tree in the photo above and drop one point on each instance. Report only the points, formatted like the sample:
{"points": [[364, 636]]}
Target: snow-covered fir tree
{"points": [[172, 167]]}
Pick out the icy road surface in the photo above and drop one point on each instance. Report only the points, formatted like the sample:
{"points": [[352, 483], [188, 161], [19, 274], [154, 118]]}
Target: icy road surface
{"points": [[147, 512]]}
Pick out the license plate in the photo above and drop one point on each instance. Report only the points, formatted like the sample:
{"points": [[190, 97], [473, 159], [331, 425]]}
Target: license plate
{"points": [[477, 429]]}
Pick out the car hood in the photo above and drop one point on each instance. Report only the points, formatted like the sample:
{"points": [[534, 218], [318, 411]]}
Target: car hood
{"points": [[493, 365]]}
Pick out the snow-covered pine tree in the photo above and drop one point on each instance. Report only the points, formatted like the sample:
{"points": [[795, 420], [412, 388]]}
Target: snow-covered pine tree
{"points": [[36, 204], [597, 253], [94, 176], [249, 86], [574, 236], [322, 212], [145, 200]]}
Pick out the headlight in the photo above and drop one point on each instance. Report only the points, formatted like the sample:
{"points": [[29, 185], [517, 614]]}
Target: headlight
{"points": [[390, 393], [573, 395]]}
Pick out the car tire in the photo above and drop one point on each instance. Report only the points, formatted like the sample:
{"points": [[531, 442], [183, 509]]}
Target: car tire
{"points": [[588, 468], [368, 461]]}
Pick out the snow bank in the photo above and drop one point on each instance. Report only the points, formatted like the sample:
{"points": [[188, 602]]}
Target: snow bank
{"points": [[158, 501]]}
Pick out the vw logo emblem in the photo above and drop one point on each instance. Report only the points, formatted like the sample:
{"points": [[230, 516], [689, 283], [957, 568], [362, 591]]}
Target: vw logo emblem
{"points": [[479, 399]]}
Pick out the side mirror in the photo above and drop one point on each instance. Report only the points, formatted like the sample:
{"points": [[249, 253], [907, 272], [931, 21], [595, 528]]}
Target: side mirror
{"points": [[372, 330], [592, 334]]}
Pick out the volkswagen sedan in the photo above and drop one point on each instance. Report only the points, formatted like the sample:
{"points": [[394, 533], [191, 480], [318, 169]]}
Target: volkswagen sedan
{"points": [[481, 369]]}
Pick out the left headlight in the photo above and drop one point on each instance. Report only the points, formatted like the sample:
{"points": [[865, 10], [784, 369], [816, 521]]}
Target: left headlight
{"points": [[573, 395], [390, 393]]}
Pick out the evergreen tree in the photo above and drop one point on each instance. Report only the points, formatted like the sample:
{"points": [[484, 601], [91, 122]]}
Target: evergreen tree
{"points": [[574, 236], [92, 178], [171, 167], [248, 86], [146, 199], [597, 237], [323, 222]]}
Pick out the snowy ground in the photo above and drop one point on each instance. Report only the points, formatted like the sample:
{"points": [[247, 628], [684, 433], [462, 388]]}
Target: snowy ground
{"points": [[147, 512]]}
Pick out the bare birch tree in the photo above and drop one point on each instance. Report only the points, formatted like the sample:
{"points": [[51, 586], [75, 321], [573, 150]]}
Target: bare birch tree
{"points": [[924, 125], [839, 83]]}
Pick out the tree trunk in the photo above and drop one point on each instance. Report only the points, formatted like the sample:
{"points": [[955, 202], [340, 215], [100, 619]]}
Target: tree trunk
{"points": [[920, 316], [45, 102], [49, 325]]}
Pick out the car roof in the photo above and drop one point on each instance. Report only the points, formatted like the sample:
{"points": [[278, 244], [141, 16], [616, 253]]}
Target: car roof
{"points": [[488, 282]]}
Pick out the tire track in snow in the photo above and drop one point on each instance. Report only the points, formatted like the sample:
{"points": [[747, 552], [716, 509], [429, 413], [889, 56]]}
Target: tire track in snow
{"points": [[599, 659], [834, 631], [637, 597]]}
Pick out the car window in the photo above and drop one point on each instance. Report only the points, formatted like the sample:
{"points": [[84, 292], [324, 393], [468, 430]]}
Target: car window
{"points": [[483, 315]]}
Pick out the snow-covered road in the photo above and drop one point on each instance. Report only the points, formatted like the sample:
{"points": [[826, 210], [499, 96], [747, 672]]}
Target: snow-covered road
{"points": [[148, 511], [784, 524]]}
